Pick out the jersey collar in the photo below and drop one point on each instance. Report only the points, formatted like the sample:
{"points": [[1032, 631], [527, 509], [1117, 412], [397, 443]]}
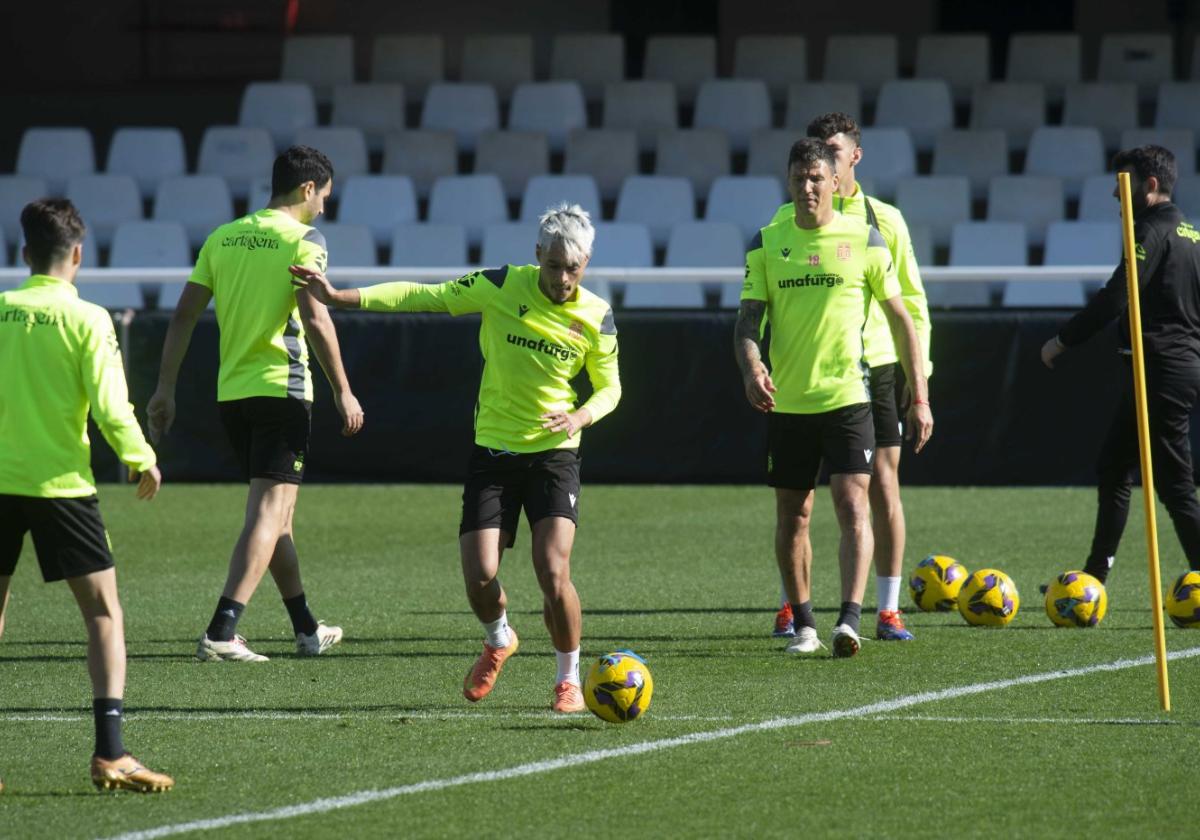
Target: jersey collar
{"points": [[62, 286], [843, 202]]}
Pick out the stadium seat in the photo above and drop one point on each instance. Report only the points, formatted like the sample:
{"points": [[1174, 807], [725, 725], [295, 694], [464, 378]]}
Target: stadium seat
{"points": [[657, 201], [376, 109], [469, 200], [1084, 243], [555, 108], [1065, 294], [545, 191], [1068, 152], [979, 244], [1034, 200], [938, 202], [769, 150], [502, 61], [747, 201], [869, 60], [199, 202], [345, 147], [1110, 107], [698, 154], [15, 192], [739, 107], [687, 61], [644, 107], [1144, 58], [415, 61], [509, 243], [593, 59], [424, 156], [709, 245], [923, 106], [888, 155], [155, 244], [807, 100], [320, 61], [1181, 142], [622, 245], [54, 155], [417, 245], [978, 155], [5, 262], [779, 60], [1178, 106], [282, 108], [651, 294], [105, 201], [461, 108], [122, 294], [609, 156], [1186, 195], [148, 155], [920, 237], [260, 194], [349, 245], [1016, 108], [380, 202], [514, 157], [236, 154], [961, 60], [1052, 59], [1096, 201]]}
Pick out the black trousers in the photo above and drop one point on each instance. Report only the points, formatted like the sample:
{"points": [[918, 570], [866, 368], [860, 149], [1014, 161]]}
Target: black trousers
{"points": [[1171, 394]]}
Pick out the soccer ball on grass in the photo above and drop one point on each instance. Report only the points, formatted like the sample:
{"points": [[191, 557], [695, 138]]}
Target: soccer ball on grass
{"points": [[618, 688], [1076, 599], [936, 582], [1183, 600], [989, 598]]}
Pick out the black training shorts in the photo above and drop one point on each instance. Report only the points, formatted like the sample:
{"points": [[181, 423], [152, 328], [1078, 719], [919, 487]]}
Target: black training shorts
{"points": [[887, 404], [796, 444], [68, 535], [269, 436], [500, 483]]}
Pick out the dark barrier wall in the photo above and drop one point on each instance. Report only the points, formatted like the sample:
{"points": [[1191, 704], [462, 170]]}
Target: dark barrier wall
{"points": [[1001, 417]]}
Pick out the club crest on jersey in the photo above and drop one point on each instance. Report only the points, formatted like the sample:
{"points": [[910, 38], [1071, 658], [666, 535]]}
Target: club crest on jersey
{"points": [[576, 329], [814, 259], [843, 251]]}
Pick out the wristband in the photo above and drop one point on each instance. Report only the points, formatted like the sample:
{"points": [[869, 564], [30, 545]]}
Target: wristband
{"points": [[920, 402]]}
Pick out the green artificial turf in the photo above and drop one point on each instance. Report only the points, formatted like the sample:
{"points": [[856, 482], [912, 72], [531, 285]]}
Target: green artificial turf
{"points": [[682, 575]]}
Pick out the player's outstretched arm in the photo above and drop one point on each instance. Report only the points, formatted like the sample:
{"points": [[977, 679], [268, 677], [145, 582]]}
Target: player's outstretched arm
{"points": [[904, 335], [748, 352], [318, 285], [322, 336], [161, 408]]}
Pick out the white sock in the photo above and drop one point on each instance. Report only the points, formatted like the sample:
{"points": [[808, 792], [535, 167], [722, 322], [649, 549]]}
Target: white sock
{"points": [[497, 631], [568, 666], [783, 596], [888, 591]]}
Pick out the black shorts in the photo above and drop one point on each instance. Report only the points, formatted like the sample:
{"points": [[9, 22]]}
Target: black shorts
{"points": [[797, 443], [500, 483], [68, 535], [269, 436], [887, 404]]}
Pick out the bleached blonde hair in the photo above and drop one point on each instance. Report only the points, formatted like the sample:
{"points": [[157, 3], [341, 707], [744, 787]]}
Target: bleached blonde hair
{"points": [[569, 224]]}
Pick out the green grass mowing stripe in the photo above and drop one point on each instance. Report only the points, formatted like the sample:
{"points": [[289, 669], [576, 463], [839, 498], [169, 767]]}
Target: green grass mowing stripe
{"points": [[319, 806]]}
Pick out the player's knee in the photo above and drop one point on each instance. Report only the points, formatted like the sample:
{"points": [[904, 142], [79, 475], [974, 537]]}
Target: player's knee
{"points": [[852, 510], [554, 579]]}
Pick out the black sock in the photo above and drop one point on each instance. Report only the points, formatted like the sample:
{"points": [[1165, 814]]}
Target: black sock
{"points": [[802, 615], [225, 619], [849, 614], [107, 714], [302, 618], [1099, 567]]}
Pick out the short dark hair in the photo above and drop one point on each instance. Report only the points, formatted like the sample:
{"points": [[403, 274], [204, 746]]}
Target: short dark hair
{"points": [[296, 165], [809, 151], [835, 122], [52, 227], [1145, 161]]}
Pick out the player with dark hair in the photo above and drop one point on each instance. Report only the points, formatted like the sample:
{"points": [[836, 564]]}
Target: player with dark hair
{"points": [[888, 397], [1168, 269], [59, 359], [814, 276], [264, 388]]}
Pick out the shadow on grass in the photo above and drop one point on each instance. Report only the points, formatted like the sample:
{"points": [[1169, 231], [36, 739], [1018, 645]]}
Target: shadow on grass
{"points": [[571, 725]]}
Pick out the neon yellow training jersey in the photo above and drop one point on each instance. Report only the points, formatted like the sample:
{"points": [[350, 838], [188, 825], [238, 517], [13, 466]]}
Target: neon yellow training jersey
{"points": [[58, 358], [881, 348], [818, 285], [245, 264], [532, 348]]}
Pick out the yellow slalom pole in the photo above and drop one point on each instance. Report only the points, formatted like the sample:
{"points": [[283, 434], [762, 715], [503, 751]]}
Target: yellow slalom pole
{"points": [[1143, 425]]}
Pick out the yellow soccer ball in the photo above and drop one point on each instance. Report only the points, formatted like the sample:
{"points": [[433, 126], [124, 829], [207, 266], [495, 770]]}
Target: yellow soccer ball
{"points": [[618, 688], [1076, 599], [1183, 600], [935, 583], [989, 598]]}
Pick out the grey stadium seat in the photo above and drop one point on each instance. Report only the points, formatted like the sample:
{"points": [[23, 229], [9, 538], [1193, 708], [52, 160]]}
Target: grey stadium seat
{"points": [[1186, 196], [155, 244], [554, 108], [349, 245], [685, 60], [503, 61], [376, 109], [1016, 108], [644, 107], [1084, 243], [15, 192], [739, 107], [622, 245], [1145, 58], [923, 106], [380, 202], [747, 201], [593, 59], [148, 155], [962, 60], [469, 200], [419, 245], [1096, 202], [105, 201], [514, 157], [1110, 107], [1178, 106], [698, 154], [415, 61], [424, 156], [779, 60], [937, 201], [808, 100], [657, 201], [608, 155], [980, 244], [1033, 200], [462, 108], [888, 156], [509, 243], [199, 202], [1068, 152], [769, 151], [282, 108], [978, 155], [545, 191], [1051, 59], [321, 61], [237, 154], [651, 294], [869, 60], [55, 154], [1181, 142], [345, 147]]}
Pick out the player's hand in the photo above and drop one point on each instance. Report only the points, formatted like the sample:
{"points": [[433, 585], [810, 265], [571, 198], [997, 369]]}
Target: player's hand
{"points": [[352, 413], [567, 421], [315, 283], [160, 414], [920, 425], [759, 389], [1051, 350], [148, 482]]}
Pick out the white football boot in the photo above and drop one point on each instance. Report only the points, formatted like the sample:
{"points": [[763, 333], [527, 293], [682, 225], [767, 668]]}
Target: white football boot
{"points": [[234, 650], [805, 641], [319, 642]]}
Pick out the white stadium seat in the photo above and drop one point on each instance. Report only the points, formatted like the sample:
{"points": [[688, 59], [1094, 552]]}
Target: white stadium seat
{"points": [[148, 155], [55, 154], [419, 245], [282, 108]]}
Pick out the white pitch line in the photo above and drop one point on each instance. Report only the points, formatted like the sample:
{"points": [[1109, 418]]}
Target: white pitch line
{"points": [[360, 715], [1026, 720], [334, 803]]}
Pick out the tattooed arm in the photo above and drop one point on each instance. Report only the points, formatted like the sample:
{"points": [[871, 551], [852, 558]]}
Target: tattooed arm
{"points": [[746, 349]]}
